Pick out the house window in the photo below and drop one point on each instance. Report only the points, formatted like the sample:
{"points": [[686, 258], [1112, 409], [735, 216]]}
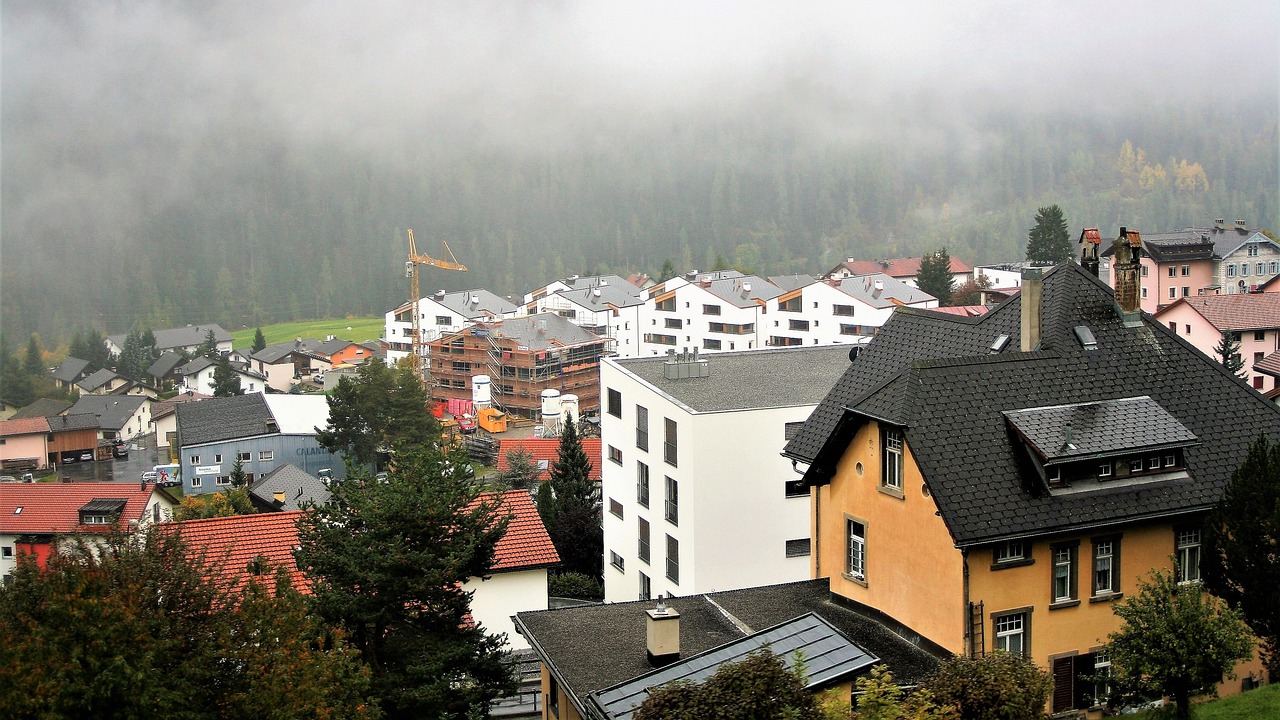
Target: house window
{"points": [[673, 501], [1101, 677], [1273, 267], [1261, 269], [553, 696], [673, 323], [196, 482], [669, 443], [195, 459], [6, 551], [1231, 270], [842, 310], [615, 455], [710, 309], [642, 540], [217, 459], [444, 319], [799, 324], [1186, 271], [1145, 270], [795, 489], [1135, 466], [710, 344], [1253, 250], [1144, 293], [846, 329], [222, 480], [1170, 460], [1186, 291], [1064, 573], [1173, 293], [642, 427], [856, 551], [1153, 463], [1104, 470], [798, 547], [891, 477], [266, 455], [1187, 548], [244, 456], [1173, 271], [1011, 633], [1011, 551], [1106, 566], [673, 560], [615, 560], [1259, 335], [615, 403], [646, 587], [642, 484], [615, 507]]}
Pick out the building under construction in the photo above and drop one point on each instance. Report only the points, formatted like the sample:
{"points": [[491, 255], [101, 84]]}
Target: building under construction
{"points": [[521, 358]]}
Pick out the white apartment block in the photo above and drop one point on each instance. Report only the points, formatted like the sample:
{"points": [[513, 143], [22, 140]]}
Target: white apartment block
{"points": [[850, 310], [607, 306], [721, 311], [440, 314], [696, 494]]}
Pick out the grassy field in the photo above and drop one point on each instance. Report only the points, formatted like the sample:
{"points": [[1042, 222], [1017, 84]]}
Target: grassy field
{"points": [[353, 329], [1261, 703]]}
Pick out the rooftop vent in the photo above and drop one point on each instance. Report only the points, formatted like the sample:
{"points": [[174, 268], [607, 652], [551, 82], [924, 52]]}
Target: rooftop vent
{"points": [[685, 365], [440, 294], [999, 344], [1086, 337]]}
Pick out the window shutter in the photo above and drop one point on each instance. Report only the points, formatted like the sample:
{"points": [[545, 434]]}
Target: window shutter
{"points": [[1063, 683]]}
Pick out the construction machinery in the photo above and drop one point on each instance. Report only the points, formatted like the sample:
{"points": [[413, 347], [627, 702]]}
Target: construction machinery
{"points": [[411, 272]]}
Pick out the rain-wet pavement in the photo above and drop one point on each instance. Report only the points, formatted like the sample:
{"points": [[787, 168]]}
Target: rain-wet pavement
{"points": [[142, 457]]}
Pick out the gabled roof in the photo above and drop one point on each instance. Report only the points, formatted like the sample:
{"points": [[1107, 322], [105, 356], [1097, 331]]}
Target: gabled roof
{"points": [[273, 354], [165, 364], [475, 303], [188, 336], [329, 347], [98, 379], [170, 406], [113, 411], [543, 331], [23, 426], [545, 451], [598, 298], [1245, 311], [51, 508], [881, 291], [232, 543], [895, 267], [70, 370], [787, 283], [224, 418], [71, 422], [44, 407], [935, 376], [592, 647], [1269, 364], [1229, 241], [745, 291], [526, 544], [1184, 245], [298, 486]]}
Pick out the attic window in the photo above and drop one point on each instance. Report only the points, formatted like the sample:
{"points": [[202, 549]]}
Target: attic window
{"points": [[17, 510], [1000, 343], [1086, 337]]}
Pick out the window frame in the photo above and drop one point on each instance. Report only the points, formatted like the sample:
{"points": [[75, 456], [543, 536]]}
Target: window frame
{"points": [[614, 402], [673, 559], [1023, 632], [670, 443], [642, 428], [615, 455], [644, 540], [892, 459], [1187, 546], [266, 456], [244, 456], [646, 588], [855, 549], [642, 484], [671, 500], [1064, 589], [1105, 548]]}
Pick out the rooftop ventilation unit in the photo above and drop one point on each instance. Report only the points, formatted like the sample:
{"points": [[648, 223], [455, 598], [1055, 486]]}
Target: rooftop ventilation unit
{"points": [[1086, 338], [999, 344]]}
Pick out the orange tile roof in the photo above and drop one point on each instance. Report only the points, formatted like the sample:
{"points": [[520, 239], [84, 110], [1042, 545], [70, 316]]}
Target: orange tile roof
{"points": [[48, 508], [233, 542], [548, 450], [25, 426], [898, 267], [1269, 364], [526, 543], [963, 310]]}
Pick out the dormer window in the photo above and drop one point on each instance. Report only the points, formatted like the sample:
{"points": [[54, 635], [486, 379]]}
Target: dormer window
{"points": [[101, 511], [1104, 470]]}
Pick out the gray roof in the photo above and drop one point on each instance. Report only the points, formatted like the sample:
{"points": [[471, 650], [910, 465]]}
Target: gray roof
{"points": [[863, 287], [1099, 429], [475, 303], [65, 423], [70, 370], [744, 291], [165, 364], [828, 656], [749, 379], [113, 411], [578, 282], [934, 375], [202, 362], [97, 379], [273, 354], [223, 418], [526, 331], [298, 486], [787, 283], [44, 407], [180, 337], [593, 647], [625, 295], [329, 347]]}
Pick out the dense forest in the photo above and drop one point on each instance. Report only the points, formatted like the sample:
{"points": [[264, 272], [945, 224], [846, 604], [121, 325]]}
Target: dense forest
{"points": [[269, 228]]}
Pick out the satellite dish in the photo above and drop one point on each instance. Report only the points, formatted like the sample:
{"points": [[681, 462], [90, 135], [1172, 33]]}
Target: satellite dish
{"points": [[853, 352]]}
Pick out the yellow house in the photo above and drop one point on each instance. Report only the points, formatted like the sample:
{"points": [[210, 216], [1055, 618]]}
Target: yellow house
{"points": [[999, 482]]}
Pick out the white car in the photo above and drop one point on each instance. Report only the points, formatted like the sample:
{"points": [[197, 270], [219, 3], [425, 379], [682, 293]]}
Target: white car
{"points": [[318, 378]]}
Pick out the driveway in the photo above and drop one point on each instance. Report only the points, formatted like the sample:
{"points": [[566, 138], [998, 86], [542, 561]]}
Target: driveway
{"points": [[142, 457]]}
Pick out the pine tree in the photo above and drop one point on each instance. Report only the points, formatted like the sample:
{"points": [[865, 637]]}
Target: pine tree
{"points": [[259, 340], [226, 381], [1228, 352], [1048, 242], [522, 470], [33, 363], [567, 504], [935, 275], [209, 348]]}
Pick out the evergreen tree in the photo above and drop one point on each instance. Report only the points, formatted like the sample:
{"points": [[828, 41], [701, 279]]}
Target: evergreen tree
{"points": [[667, 272], [935, 275], [92, 347], [388, 561], [14, 383], [376, 409], [567, 504], [238, 477], [226, 381], [1048, 242], [1228, 352], [522, 470], [1240, 564], [259, 340], [209, 348], [33, 363]]}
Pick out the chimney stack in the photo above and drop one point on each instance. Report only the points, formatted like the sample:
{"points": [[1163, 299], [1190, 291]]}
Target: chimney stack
{"points": [[1031, 294], [1128, 273], [1090, 239], [662, 635]]}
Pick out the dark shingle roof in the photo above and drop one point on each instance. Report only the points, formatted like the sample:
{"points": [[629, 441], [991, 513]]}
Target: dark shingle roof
{"points": [[933, 375], [70, 370], [165, 364], [272, 354], [97, 379], [1099, 428], [69, 422], [223, 418], [592, 647], [113, 411], [298, 486], [44, 407]]}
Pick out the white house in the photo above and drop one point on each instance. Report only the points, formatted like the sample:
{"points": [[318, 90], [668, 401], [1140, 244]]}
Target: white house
{"points": [[607, 309], [440, 314], [119, 416], [696, 494], [718, 311], [815, 312], [197, 376], [184, 339]]}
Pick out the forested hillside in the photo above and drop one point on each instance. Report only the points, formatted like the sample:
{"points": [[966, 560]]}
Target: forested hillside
{"points": [[266, 228]]}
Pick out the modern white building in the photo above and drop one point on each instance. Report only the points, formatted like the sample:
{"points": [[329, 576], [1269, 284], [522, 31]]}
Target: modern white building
{"points": [[846, 311], [714, 312], [696, 494], [441, 314], [610, 308]]}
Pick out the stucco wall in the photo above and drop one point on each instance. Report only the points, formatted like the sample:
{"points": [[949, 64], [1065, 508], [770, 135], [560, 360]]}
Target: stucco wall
{"points": [[503, 595]]}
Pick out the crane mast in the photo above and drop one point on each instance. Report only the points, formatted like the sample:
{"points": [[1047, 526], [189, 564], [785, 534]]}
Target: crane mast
{"points": [[411, 272]]}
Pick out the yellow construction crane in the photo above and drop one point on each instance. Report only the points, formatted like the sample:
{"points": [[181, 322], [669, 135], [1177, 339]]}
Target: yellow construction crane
{"points": [[411, 272]]}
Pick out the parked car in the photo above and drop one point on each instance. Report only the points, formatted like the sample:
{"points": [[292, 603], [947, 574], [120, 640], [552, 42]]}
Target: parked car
{"points": [[86, 456], [120, 450], [150, 477], [466, 424], [8, 478], [318, 378]]}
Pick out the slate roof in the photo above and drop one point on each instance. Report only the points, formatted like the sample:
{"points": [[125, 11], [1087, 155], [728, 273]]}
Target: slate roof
{"points": [[49, 508], [827, 655], [891, 293], [112, 411], [592, 647], [329, 347], [23, 426], [1099, 429], [487, 303], [71, 422], [70, 370], [751, 379], [273, 354], [165, 364], [787, 283], [525, 331], [933, 374], [745, 291], [545, 451], [98, 379], [232, 543], [526, 544], [223, 418], [299, 487], [895, 267], [44, 407], [1251, 311], [171, 338], [1183, 245], [599, 297]]}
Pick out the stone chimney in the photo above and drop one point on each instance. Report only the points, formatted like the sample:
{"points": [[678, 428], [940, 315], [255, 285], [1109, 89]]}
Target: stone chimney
{"points": [[1090, 239], [1128, 272], [1031, 296], [662, 635]]}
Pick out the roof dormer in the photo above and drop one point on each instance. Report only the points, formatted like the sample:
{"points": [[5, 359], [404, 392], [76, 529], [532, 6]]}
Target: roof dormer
{"points": [[102, 511]]}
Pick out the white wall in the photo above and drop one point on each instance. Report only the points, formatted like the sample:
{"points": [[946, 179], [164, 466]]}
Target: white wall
{"points": [[503, 595]]}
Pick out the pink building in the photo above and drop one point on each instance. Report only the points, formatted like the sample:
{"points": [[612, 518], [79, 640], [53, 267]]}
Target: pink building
{"points": [[1175, 265], [1253, 318], [24, 444]]}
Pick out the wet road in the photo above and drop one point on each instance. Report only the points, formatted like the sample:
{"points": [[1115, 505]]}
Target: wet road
{"points": [[142, 457]]}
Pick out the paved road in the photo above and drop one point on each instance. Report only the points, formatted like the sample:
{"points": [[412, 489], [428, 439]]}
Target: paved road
{"points": [[142, 457]]}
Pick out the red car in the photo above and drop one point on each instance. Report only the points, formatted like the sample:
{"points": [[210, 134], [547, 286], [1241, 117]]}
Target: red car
{"points": [[466, 424]]}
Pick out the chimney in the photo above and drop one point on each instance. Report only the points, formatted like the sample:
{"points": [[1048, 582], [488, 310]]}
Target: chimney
{"points": [[1032, 290], [662, 635], [1128, 274], [1219, 223], [1090, 239]]}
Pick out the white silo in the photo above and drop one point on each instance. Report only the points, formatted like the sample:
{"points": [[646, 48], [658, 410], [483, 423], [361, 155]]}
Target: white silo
{"points": [[481, 391], [551, 410], [569, 407]]}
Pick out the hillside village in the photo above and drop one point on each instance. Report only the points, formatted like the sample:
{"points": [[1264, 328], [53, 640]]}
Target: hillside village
{"points": [[839, 464]]}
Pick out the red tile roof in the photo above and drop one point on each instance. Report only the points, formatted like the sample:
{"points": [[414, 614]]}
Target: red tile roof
{"points": [[1269, 364], [898, 267], [26, 426], [526, 543], [1253, 311], [548, 450], [233, 542], [48, 508], [963, 310]]}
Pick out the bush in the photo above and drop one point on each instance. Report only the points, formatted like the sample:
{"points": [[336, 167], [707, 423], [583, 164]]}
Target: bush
{"points": [[575, 585], [1000, 686]]}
